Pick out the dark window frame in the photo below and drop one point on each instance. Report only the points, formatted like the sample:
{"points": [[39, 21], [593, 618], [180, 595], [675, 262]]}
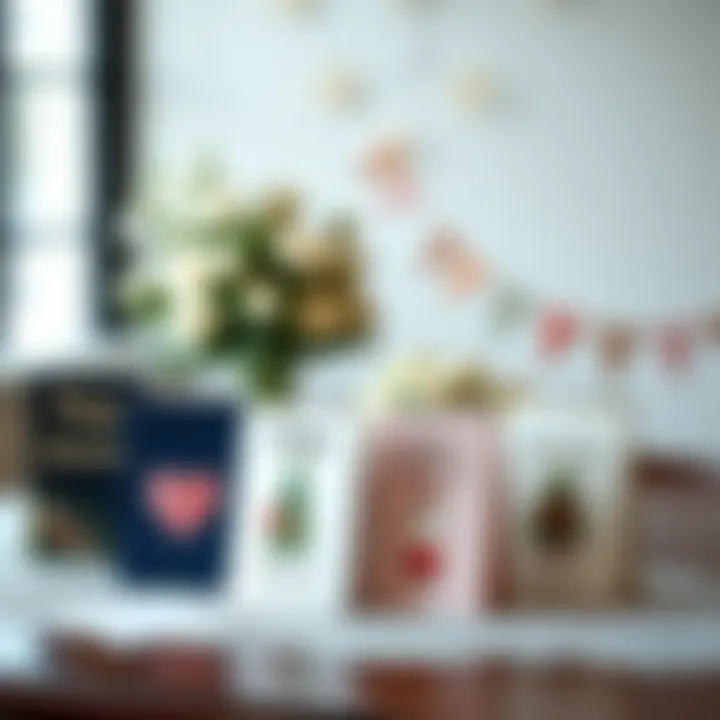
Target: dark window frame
{"points": [[114, 36]]}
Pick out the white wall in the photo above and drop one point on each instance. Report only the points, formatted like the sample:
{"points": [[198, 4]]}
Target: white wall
{"points": [[598, 182]]}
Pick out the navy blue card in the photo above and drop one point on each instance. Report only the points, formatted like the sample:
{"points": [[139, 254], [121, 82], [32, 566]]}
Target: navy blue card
{"points": [[174, 520]]}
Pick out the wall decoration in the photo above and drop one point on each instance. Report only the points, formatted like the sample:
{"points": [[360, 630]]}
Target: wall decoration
{"points": [[389, 167], [462, 270], [616, 347], [558, 330], [474, 91], [676, 345], [467, 277], [712, 327], [443, 249], [342, 90], [510, 306]]}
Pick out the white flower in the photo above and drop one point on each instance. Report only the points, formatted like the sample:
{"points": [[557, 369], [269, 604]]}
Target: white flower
{"points": [[296, 247], [189, 273], [213, 207], [262, 302]]}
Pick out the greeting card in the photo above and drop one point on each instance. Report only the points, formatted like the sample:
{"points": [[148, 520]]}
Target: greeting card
{"points": [[75, 449], [569, 498], [174, 500], [430, 530], [294, 548]]}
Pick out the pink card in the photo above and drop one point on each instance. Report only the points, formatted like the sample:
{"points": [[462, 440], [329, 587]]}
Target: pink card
{"points": [[429, 526]]}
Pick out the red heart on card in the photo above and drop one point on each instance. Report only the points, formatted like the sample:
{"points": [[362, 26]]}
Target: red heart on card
{"points": [[183, 501], [423, 562]]}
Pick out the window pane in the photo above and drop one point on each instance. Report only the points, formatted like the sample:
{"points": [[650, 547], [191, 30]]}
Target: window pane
{"points": [[51, 162], [49, 31], [49, 298]]}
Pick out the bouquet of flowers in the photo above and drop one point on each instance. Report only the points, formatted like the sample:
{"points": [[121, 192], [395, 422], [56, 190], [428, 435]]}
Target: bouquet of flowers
{"points": [[244, 282]]}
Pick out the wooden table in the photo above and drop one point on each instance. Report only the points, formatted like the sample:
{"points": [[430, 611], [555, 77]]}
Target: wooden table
{"points": [[79, 679]]}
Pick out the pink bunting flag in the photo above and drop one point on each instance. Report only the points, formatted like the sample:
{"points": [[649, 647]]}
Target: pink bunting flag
{"points": [[442, 249], [389, 168], [459, 266], [558, 332], [677, 344]]}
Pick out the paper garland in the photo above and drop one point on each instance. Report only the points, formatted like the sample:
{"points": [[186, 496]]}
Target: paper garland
{"points": [[462, 270], [676, 347], [474, 91], [388, 166], [342, 90], [617, 344], [559, 329], [713, 329], [510, 306]]}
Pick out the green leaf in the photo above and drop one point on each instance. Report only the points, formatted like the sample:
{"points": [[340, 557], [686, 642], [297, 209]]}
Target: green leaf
{"points": [[146, 304], [510, 307]]}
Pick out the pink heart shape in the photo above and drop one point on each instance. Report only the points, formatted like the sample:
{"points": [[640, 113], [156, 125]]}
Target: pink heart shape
{"points": [[183, 501]]}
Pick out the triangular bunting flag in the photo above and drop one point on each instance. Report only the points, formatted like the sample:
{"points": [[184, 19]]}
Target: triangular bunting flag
{"points": [[402, 193], [676, 345], [510, 306], [617, 344], [461, 268], [442, 249], [388, 166], [558, 331], [467, 274], [713, 329]]}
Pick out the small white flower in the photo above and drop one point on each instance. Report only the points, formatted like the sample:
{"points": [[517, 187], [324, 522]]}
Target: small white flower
{"points": [[212, 208], [262, 302], [296, 247], [189, 273]]}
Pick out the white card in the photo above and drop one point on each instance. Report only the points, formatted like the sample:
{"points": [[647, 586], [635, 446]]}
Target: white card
{"points": [[294, 549]]}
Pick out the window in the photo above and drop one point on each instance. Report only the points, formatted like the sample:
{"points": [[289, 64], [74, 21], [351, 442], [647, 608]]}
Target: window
{"points": [[64, 96]]}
